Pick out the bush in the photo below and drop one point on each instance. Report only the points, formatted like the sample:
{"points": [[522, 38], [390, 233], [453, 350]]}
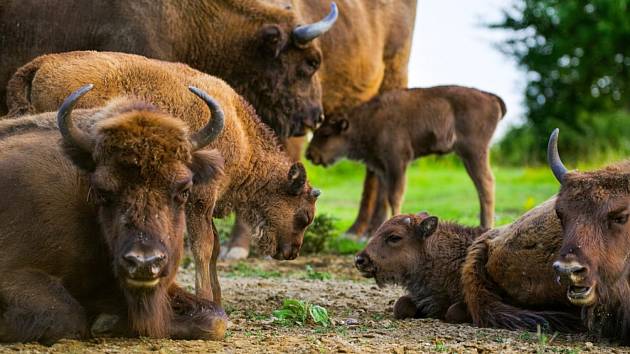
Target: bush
{"points": [[323, 236]]}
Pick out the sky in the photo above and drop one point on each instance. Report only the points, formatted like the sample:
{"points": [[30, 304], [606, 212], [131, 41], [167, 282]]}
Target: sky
{"points": [[452, 46]]}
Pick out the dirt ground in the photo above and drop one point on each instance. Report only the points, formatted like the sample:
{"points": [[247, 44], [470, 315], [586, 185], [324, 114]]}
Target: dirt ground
{"points": [[362, 315]]}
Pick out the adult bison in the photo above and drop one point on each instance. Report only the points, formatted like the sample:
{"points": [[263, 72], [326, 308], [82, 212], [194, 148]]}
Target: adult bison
{"points": [[261, 183], [593, 208], [265, 52], [105, 224]]}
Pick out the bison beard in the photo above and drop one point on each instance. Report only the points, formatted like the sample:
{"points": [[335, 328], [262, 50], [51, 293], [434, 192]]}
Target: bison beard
{"points": [[610, 317], [149, 311]]}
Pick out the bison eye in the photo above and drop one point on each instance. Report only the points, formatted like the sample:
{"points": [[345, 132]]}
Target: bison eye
{"points": [[393, 239], [182, 195], [313, 63], [620, 219]]}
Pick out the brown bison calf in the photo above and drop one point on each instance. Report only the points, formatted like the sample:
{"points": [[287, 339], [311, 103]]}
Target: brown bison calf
{"points": [[96, 224], [423, 256], [593, 208], [260, 183], [393, 129]]}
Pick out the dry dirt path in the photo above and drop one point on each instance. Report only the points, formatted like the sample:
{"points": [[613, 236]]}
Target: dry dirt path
{"points": [[361, 313]]}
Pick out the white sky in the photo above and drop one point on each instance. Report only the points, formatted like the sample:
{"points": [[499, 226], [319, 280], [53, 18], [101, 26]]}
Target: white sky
{"points": [[452, 46]]}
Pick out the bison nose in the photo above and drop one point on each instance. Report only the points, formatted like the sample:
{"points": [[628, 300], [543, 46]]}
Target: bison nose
{"points": [[144, 264], [361, 260], [569, 268]]}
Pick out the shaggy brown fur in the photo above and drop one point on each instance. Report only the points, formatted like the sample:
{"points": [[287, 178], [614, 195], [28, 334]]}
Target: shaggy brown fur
{"points": [[426, 258], [68, 259], [507, 277], [260, 182], [393, 129], [594, 210]]}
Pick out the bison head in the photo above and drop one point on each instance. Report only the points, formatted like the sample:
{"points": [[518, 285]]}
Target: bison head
{"points": [[141, 165], [330, 142], [277, 74], [593, 208], [397, 248], [280, 219]]}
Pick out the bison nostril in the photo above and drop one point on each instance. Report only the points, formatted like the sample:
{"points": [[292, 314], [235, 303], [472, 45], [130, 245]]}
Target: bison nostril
{"points": [[360, 260]]}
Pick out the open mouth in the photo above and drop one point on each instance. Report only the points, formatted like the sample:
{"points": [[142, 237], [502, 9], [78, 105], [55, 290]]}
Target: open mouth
{"points": [[142, 283], [581, 295]]}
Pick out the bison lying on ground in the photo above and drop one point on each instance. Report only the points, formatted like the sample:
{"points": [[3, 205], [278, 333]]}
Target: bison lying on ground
{"points": [[260, 182], [593, 208], [460, 273], [423, 256], [507, 278], [393, 129], [96, 224]]}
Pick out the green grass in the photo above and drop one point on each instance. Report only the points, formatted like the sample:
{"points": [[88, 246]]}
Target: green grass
{"points": [[438, 185]]}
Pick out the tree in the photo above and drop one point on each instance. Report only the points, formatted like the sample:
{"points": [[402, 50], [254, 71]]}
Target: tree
{"points": [[577, 57]]}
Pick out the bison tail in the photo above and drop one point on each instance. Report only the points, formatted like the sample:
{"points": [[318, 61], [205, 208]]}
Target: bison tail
{"points": [[19, 89], [487, 308]]}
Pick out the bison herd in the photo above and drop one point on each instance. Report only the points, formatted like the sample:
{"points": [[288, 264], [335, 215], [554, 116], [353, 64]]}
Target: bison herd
{"points": [[120, 136]]}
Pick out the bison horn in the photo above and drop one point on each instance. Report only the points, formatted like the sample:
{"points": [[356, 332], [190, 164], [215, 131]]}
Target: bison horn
{"points": [[71, 134], [208, 133], [315, 193], [306, 33], [553, 157]]}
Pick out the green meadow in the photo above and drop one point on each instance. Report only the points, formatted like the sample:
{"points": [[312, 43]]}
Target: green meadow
{"points": [[438, 185]]}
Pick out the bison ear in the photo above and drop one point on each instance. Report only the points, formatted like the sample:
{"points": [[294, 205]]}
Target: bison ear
{"points": [[427, 227], [297, 178], [79, 157], [272, 39], [206, 165]]}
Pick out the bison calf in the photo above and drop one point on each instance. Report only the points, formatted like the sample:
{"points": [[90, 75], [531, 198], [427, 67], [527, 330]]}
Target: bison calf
{"points": [[393, 129], [423, 256], [594, 208], [96, 224]]}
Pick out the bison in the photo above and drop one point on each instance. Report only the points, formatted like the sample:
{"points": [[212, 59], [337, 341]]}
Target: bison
{"points": [[105, 224], [593, 208], [265, 52], [261, 183], [393, 129], [507, 278], [471, 274], [425, 256]]}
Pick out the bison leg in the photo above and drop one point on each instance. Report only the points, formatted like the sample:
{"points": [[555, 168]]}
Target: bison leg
{"points": [[368, 201], [457, 313], [380, 209], [240, 239], [195, 317], [405, 308], [199, 224], [36, 307], [478, 168], [214, 276], [395, 182]]}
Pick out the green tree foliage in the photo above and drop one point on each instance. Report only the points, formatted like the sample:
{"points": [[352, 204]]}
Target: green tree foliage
{"points": [[577, 57]]}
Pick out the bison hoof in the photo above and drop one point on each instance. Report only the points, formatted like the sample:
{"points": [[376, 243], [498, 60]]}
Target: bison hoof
{"points": [[404, 308], [104, 325], [236, 253]]}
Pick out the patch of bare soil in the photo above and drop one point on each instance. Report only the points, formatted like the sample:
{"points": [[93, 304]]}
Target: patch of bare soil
{"points": [[362, 315]]}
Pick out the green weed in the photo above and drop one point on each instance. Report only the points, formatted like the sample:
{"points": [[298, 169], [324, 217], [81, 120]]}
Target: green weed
{"points": [[298, 312]]}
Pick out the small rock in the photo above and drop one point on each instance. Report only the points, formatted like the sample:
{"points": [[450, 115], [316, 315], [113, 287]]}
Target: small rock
{"points": [[351, 322], [588, 345]]}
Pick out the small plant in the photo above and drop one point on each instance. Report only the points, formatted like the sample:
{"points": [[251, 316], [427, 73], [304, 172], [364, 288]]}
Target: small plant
{"points": [[318, 234], [440, 346], [315, 275], [543, 339], [298, 312]]}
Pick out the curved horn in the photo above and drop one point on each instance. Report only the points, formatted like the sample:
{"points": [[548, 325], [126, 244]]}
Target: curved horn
{"points": [[208, 133], [315, 193], [306, 33], [553, 157], [70, 134]]}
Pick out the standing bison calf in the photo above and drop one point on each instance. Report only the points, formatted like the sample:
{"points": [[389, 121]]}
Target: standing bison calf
{"points": [[460, 273], [594, 208], [96, 224], [393, 129]]}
